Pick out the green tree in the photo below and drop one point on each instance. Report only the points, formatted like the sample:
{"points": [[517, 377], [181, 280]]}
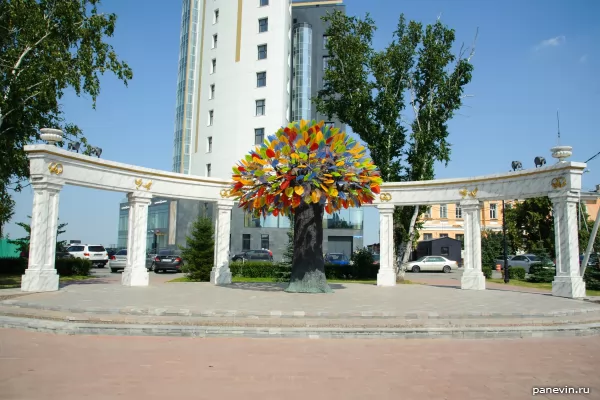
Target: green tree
{"points": [[7, 208], [198, 255], [492, 247], [23, 243], [370, 90], [530, 225], [285, 267], [47, 47]]}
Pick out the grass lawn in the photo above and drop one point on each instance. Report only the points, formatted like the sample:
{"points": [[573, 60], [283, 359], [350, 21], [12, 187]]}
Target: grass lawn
{"points": [[269, 280], [540, 285], [14, 281]]}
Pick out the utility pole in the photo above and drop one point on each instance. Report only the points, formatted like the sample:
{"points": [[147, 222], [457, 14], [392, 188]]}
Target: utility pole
{"points": [[506, 274]]}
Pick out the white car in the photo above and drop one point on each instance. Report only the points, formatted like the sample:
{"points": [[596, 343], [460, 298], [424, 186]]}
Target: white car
{"points": [[432, 263], [95, 253]]}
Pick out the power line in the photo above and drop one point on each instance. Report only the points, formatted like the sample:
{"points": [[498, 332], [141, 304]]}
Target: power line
{"points": [[595, 155]]}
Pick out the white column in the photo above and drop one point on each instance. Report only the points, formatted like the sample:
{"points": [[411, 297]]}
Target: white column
{"points": [[220, 274], [41, 275], [472, 277], [568, 281], [387, 271], [135, 273]]}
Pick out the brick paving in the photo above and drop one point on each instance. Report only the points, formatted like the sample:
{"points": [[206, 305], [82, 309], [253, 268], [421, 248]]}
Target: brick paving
{"points": [[51, 367]]}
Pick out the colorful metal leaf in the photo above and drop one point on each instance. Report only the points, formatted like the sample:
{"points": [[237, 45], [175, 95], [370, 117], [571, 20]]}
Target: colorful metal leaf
{"points": [[306, 161]]}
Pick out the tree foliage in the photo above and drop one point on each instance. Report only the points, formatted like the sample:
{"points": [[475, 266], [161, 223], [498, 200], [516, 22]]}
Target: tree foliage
{"points": [[370, 90], [23, 243], [305, 163], [7, 209], [198, 255], [47, 47], [530, 225]]}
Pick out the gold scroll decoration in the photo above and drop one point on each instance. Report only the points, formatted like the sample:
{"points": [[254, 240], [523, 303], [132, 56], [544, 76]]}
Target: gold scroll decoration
{"points": [[140, 183], [55, 168], [225, 193], [558, 183], [464, 192], [385, 197]]}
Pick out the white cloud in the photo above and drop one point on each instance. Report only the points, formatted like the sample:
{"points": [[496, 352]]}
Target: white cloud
{"points": [[552, 42], [583, 58]]}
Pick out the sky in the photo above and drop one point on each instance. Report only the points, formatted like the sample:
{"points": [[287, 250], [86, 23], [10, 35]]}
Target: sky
{"points": [[531, 59]]}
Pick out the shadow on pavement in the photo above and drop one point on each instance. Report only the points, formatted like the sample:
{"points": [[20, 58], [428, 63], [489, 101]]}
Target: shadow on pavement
{"points": [[270, 286]]}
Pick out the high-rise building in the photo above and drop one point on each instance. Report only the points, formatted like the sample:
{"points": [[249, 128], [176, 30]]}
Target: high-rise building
{"points": [[246, 68]]}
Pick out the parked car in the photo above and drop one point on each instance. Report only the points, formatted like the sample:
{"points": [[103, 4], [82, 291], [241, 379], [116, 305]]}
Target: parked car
{"points": [[593, 261], [253, 255], [63, 254], [376, 258], [431, 263], [167, 260], [524, 261], [336, 258], [150, 261], [500, 260], [118, 261], [95, 253]]}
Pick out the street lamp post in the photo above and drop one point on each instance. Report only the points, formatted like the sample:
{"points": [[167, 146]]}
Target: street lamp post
{"points": [[506, 275]]}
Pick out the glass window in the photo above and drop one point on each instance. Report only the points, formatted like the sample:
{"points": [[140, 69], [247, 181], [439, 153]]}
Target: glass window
{"points": [[96, 248], [264, 3], [427, 236], [458, 211], [261, 79], [214, 41], [259, 135], [209, 144], [461, 237], [284, 222], [213, 66], [262, 51], [212, 92], [325, 63], [445, 251], [260, 107], [443, 235], [264, 241], [443, 211], [208, 170], [211, 115], [427, 212], [351, 218], [263, 25], [325, 40], [246, 241], [216, 16], [493, 211], [121, 253]]}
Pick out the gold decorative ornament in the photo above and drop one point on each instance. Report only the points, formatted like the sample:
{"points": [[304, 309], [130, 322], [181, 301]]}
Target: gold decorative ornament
{"points": [[558, 183], [385, 197], [224, 193], [55, 168], [140, 183], [464, 192]]}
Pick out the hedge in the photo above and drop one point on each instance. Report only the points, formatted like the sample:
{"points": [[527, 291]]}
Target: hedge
{"points": [[517, 273], [487, 271], [278, 271], [64, 266], [592, 278], [537, 273]]}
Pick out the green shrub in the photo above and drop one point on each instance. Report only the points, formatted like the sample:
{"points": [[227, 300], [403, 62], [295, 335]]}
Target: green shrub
{"points": [[487, 271], [537, 273], [73, 266], [13, 266], [592, 278], [261, 269], [517, 273], [199, 251]]}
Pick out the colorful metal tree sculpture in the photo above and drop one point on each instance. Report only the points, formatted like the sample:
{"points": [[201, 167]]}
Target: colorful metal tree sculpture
{"points": [[305, 169]]}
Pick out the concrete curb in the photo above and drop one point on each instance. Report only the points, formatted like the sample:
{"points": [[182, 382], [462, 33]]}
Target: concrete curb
{"points": [[75, 328], [171, 312]]}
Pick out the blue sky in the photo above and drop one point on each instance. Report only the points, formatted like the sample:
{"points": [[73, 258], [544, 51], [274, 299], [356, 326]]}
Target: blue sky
{"points": [[532, 58]]}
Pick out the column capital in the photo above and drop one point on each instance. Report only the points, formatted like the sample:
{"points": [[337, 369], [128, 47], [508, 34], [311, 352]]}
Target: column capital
{"points": [[386, 208], [569, 197], [139, 197], [224, 204], [54, 185], [470, 204]]}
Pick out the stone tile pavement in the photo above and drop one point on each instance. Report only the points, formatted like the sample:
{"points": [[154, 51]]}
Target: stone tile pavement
{"points": [[36, 366], [268, 299]]}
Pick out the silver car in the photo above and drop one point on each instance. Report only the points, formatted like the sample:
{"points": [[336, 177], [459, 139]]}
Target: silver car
{"points": [[524, 261], [118, 261]]}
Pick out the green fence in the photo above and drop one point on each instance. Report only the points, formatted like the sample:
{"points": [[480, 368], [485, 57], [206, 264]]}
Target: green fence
{"points": [[7, 249]]}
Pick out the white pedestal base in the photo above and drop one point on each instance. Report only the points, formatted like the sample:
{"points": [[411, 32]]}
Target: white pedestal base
{"points": [[386, 277], [568, 286], [220, 275], [35, 280], [472, 280], [135, 277]]}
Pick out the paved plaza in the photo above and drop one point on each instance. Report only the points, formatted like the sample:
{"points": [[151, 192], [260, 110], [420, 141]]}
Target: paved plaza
{"points": [[36, 366]]}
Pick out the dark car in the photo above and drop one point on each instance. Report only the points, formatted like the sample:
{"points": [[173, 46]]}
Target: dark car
{"points": [[253, 255], [167, 260], [337, 258], [376, 258], [593, 261]]}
